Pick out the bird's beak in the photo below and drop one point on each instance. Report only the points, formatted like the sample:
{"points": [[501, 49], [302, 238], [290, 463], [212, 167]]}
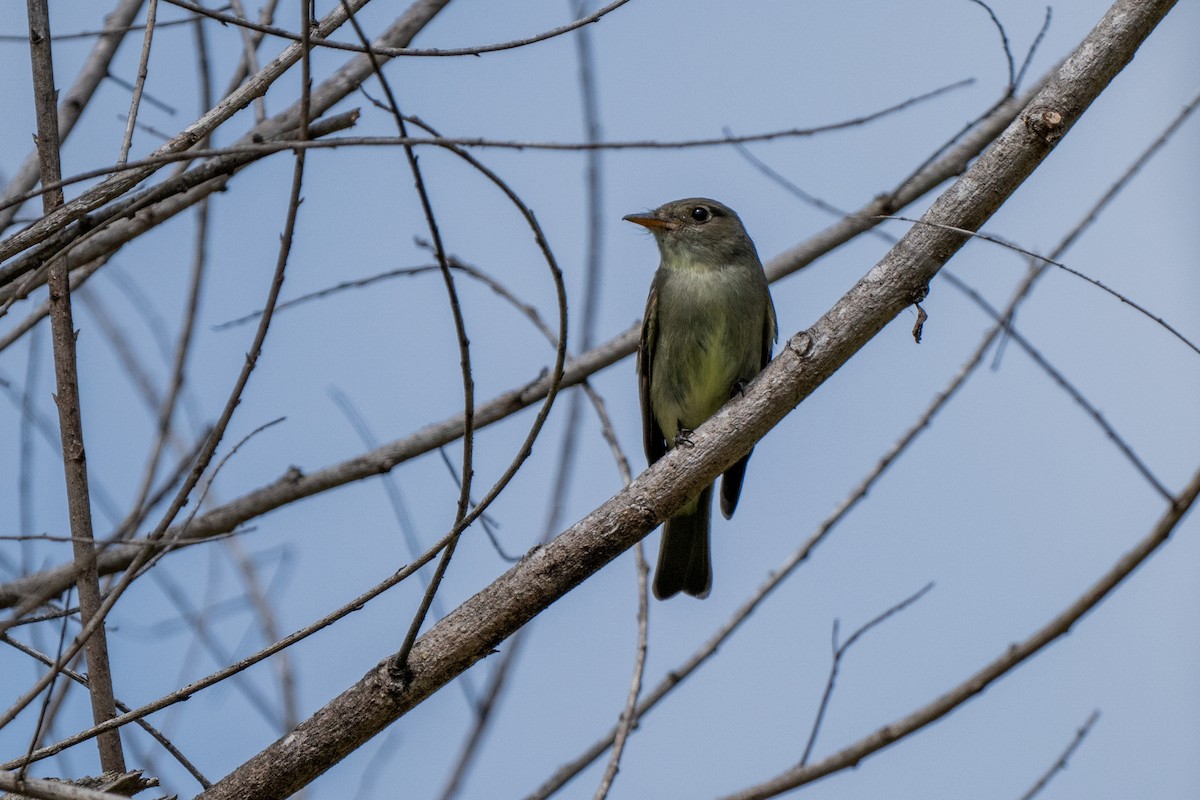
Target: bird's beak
{"points": [[650, 221]]}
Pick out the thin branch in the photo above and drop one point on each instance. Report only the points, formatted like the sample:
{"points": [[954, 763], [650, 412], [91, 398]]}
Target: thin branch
{"points": [[67, 398], [166, 410], [140, 82], [122, 346], [249, 54], [1055, 375], [391, 52], [629, 714], [1033, 48], [484, 709], [256, 148], [198, 620], [108, 29], [42, 724], [161, 105], [1049, 261], [1068, 387], [25, 451], [1061, 764], [1012, 72], [840, 650], [456, 264], [186, 692], [1130, 171]]}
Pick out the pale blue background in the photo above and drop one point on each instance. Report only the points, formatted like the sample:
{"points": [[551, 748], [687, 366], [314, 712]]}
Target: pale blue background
{"points": [[1013, 503]]}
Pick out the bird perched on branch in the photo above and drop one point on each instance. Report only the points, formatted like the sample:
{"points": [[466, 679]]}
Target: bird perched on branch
{"points": [[709, 328]]}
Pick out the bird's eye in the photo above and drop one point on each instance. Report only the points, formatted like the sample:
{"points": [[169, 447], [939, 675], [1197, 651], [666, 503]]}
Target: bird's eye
{"points": [[701, 214]]}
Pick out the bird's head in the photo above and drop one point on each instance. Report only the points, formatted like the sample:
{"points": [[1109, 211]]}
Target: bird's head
{"points": [[696, 230]]}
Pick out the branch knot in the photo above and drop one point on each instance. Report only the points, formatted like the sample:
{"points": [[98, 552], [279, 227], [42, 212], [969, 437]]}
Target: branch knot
{"points": [[1046, 123]]}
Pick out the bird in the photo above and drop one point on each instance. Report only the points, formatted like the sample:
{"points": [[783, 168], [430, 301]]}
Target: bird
{"points": [[709, 328]]}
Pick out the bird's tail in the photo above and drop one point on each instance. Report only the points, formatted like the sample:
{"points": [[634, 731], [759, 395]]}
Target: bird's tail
{"points": [[683, 562]]}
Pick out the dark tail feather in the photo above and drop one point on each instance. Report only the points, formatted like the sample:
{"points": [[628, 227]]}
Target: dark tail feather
{"points": [[731, 485], [683, 563]]}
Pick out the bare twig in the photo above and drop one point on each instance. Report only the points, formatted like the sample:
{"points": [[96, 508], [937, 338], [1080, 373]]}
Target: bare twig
{"points": [[1061, 764], [484, 709], [556, 499], [1068, 387], [629, 714], [44, 717], [186, 692], [1033, 48], [206, 640], [166, 411], [150, 99], [67, 397], [249, 53], [107, 30], [456, 264], [95, 307], [391, 52], [90, 245], [256, 148], [1049, 261], [839, 651], [1012, 72], [139, 83]]}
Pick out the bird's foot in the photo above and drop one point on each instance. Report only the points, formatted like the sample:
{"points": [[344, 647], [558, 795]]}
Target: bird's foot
{"points": [[684, 437]]}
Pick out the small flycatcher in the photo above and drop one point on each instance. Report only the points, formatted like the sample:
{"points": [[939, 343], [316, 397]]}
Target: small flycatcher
{"points": [[709, 328]]}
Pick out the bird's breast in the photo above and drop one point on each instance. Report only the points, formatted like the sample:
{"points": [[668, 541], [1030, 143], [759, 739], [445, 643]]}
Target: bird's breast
{"points": [[709, 338]]}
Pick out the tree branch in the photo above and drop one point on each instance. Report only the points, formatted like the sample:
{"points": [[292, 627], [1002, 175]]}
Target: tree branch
{"points": [[70, 417]]}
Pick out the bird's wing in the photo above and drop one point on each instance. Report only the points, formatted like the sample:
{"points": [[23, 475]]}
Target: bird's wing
{"points": [[731, 481], [652, 436], [770, 333]]}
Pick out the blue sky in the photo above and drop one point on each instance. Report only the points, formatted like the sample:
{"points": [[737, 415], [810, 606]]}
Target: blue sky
{"points": [[1012, 503]]}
